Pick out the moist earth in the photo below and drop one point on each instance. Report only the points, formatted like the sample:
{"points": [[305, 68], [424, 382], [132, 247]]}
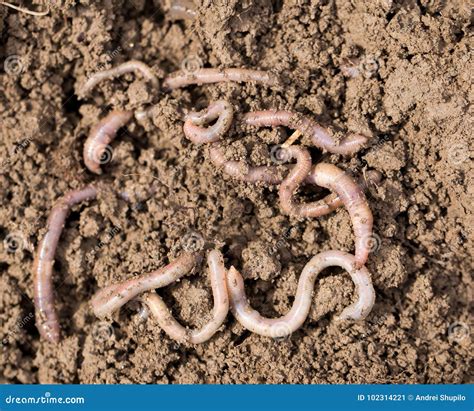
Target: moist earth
{"points": [[398, 71]]}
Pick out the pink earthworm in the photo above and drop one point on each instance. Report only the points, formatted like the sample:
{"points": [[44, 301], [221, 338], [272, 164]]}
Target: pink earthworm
{"points": [[295, 177], [182, 10], [46, 316], [220, 110], [213, 75], [353, 197], [320, 136], [290, 322], [24, 10], [111, 298], [270, 175], [302, 173], [217, 275], [127, 67], [240, 171], [96, 148], [332, 201]]}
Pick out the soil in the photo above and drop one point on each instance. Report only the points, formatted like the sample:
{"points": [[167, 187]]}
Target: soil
{"points": [[410, 89]]}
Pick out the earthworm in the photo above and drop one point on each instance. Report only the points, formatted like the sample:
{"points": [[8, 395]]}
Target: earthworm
{"points": [[241, 171], [217, 275], [301, 173], [353, 197], [213, 75], [319, 135], [295, 177], [333, 201], [182, 10], [127, 67], [46, 316], [220, 110], [96, 147], [111, 298], [23, 10], [290, 322], [270, 175]]}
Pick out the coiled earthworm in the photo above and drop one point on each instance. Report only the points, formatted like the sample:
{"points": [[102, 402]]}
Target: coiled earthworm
{"points": [[290, 322], [353, 197], [295, 177], [241, 171], [111, 298], [46, 316], [220, 110], [270, 175], [319, 135], [127, 67], [333, 201], [23, 10], [217, 275], [96, 147], [213, 75], [301, 173], [182, 10]]}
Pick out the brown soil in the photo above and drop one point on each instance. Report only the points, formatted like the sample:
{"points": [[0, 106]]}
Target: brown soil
{"points": [[412, 94]]}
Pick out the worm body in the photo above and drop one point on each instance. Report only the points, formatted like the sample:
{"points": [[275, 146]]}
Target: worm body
{"points": [[319, 135], [111, 298], [217, 275], [333, 201], [24, 10], [220, 110], [212, 75], [240, 171], [182, 10], [46, 315], [295, 177], [96, 148], [353, 197], [290, 322], [127, 67], [302, 173]]}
